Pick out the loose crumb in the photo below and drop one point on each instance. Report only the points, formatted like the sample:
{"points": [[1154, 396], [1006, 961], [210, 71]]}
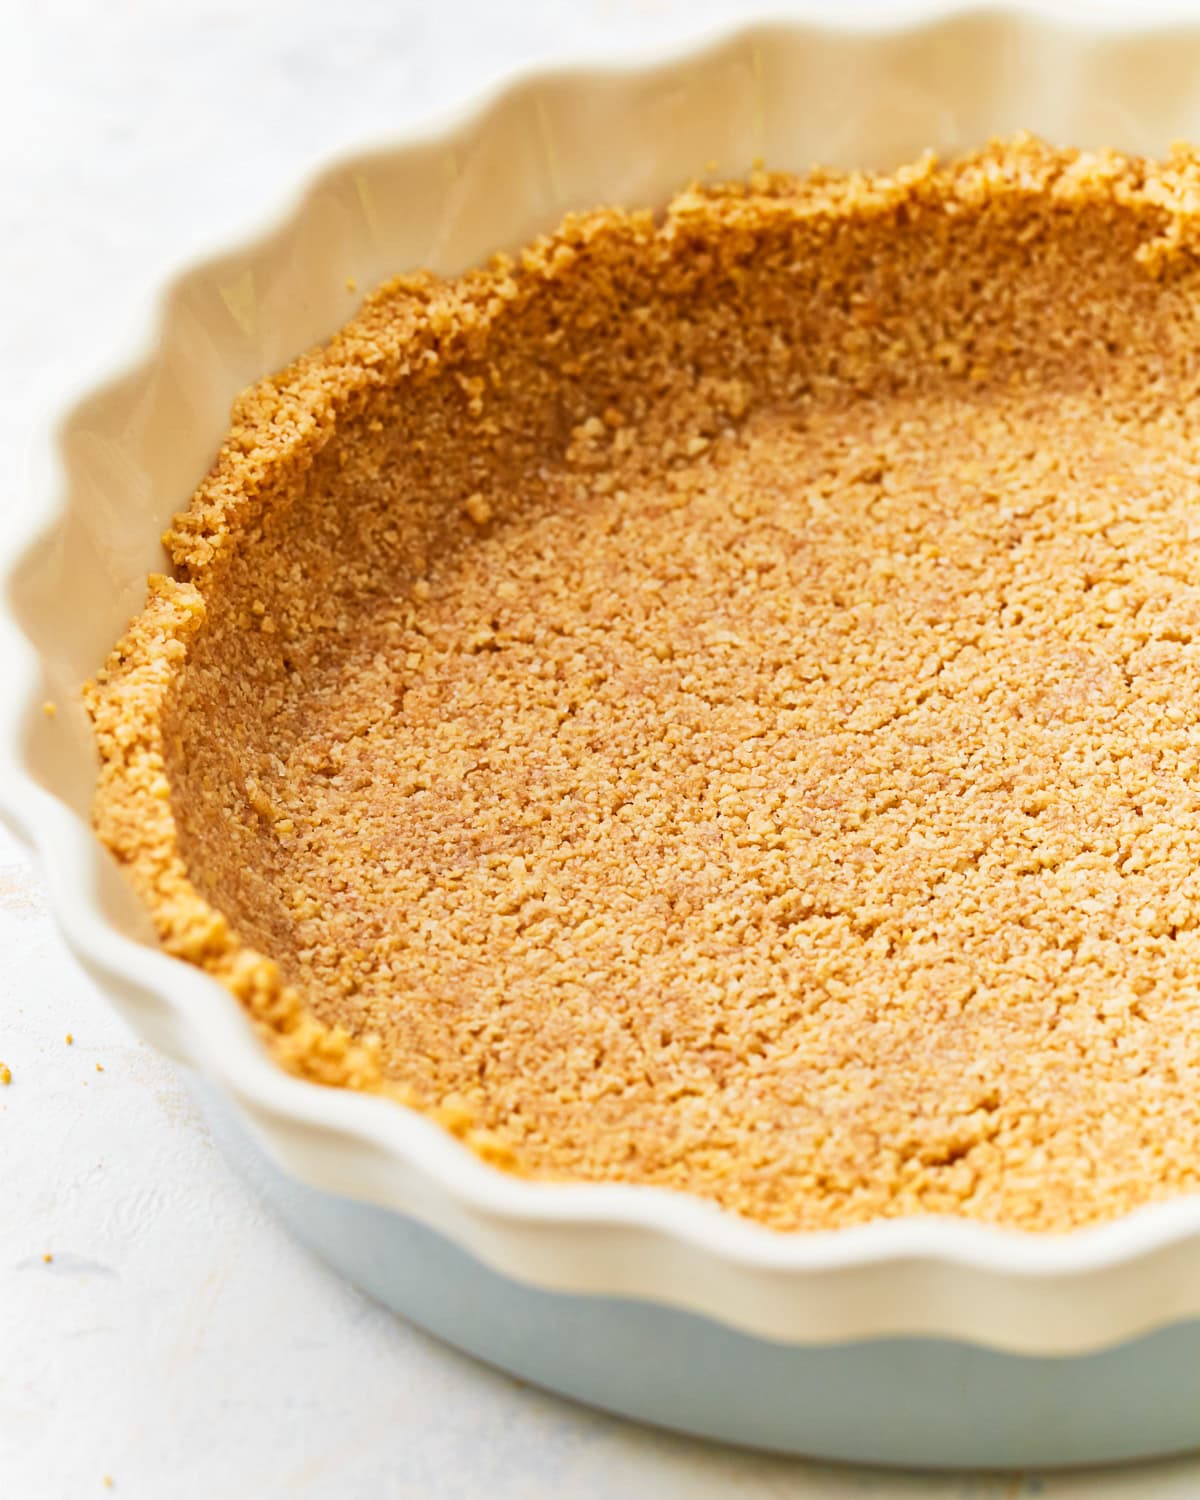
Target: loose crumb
{"points": [[351, 284], [99, 1067], [5, 1073], [478, 509], [47, 1257], [787, 788], [70, 1039], [50, 709]]}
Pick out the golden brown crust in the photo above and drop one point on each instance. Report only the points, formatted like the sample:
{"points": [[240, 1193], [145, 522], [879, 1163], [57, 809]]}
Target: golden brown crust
{"points": [[709, 702]]}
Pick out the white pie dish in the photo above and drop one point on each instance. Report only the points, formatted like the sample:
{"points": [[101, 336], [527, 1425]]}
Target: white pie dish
{"points": [[129, 454]]}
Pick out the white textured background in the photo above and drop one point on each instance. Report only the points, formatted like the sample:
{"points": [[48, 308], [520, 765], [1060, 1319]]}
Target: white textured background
{"points": [[178, 1343]]}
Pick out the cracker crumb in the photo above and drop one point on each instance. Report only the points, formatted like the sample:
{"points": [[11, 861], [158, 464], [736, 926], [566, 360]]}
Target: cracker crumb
{"points": [[5, 1073], [50, 709], [478, 509]]}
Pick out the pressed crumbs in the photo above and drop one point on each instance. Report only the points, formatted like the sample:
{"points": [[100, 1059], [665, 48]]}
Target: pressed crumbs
{"points": [[711, 701]]}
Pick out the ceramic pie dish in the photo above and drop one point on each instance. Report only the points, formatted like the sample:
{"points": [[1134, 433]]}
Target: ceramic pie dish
{"points": [[917, 1341]]}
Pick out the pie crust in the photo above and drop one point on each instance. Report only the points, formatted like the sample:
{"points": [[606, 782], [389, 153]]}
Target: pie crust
{"points": [[711, 701]]}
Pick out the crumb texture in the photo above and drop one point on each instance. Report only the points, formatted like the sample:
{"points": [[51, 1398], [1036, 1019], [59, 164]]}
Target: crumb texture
{"points": [[711, 701]]}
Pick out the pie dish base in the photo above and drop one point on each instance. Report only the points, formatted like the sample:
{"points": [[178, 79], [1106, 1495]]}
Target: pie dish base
{"points": [[910, 1402]]}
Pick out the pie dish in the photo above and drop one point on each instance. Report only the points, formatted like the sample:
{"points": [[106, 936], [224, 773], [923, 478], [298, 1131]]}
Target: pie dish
{"points": [[920, 1340]]}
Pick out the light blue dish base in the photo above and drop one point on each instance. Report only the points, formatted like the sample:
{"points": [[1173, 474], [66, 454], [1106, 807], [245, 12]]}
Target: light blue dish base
{"points": [[911, 1402]]}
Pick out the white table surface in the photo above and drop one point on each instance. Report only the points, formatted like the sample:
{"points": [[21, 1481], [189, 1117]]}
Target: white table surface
{"points": [[178, 1343]]}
